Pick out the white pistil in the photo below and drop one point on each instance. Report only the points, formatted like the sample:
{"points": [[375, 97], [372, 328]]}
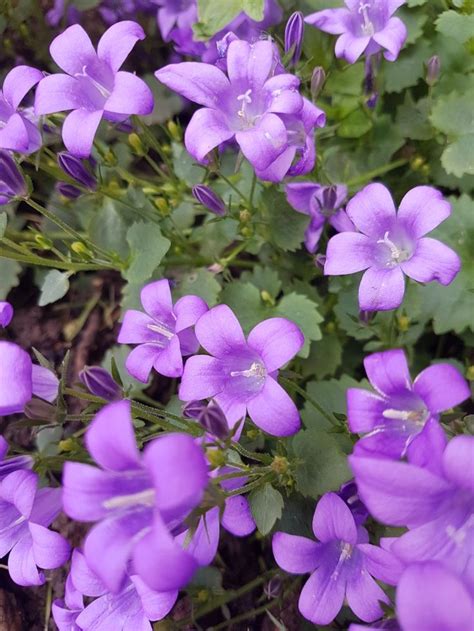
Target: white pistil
{"points": [[346, 553], [458, 535], [142, 498], [256, 370], [417, 416], [367, 26], [158, 327], [246, 99], [397, 254], [98, 86]]}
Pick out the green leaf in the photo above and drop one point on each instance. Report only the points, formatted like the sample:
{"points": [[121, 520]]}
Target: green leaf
{"points": [[3, 223], [185, 166], [355, 125], [458, 158], [148, 247], [322, 465], [9, 276], [457, 25], [265, 278], [331, 396], [412, 119], [201, 283], [408, 68], [327, 356], [107, 229], [346, 81], [244, 299], [286, 227], [304, 312], [55, 286], [266, 504], [118, 354], [214, 15], [414, 21]]}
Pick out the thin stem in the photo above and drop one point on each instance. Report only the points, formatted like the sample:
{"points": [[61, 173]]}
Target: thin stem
{"points": [[251, 455], [73, 267], [290, 384], [234, 188], [370, 175], [252, 189], [251, 485]]}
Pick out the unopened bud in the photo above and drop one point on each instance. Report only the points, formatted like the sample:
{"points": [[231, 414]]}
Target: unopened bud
{"points": [[162, 205], [207, 198], [110, 159], [433, 68], [6, 313], [245, 216], [266, 297], [317, 81], [69, 191], [294, 32], [136, 144], [43, 242], [100, 383], [273, 588], [37, 409], [209, 415], [12, 182], [320, 261], [77, 169], [82, 250], [175, 131], [279, 465]]}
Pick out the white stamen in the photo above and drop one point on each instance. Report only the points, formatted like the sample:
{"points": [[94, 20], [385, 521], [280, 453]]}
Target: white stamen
{"points": [[158, 327], [246, 99], [367, 27], [142, 498], [397, 254], [458, 535], [256, 370]]}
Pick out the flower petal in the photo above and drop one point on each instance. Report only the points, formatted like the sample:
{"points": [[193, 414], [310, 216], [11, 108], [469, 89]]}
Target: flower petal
{"points": [[431, 385], [19, 488], [322, 595], [388, 371], [199, 144], [202, 378], [57, 93], [219, 331], [263, 143], [422, 209], [72, 50], [458, 461], [22, 566], [198, 82], [249, 65], [116, 43], [50, 550], [273, 410], [188, 310], [83, 578], [372, 210], [347, 253], [381, 564], [15, 378], [19, 82], [432, 260], [45, 384], [137, 327], [14, 135], [364, 410], [392, 38], [79, 130], [350, 46], [300, 194], [295, 554], [156, 299], [381, 289], [140, 361], [205, 540], [237, 517], [333, 520], [276, 340], [169, 361], [156, 605], [363, 596], [332, 21], [130, 95]]}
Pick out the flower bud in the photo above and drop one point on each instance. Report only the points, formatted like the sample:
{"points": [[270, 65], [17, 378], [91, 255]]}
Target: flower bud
{"points": [[6, 313], [209, 415], [175, 131], [82, 250], [39, 410], [273, 588], [209, 199], [12, 182], [136, 144], [68, 190], [317, 81], [294, 32], [433, 67], [100, 383], [75, 168]]}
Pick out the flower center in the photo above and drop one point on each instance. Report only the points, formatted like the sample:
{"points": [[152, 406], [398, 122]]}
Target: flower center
{"points": [[101, 89], [142, 498], [257, 371], [161, 329], [398, 254], [458, 535], [418, 417], [367, 26]]}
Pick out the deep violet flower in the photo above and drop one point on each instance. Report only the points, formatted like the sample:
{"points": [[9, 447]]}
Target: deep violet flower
{"points": [[245, 105], [17, 132], [20, 379], [242, 374], [131, 609], [322, 204], [100, 383], [25, 514], [436, 505], [294, 32], [93, 86], [401, 418], [349, 493], [13, 463], [364, 26], [163, 334], [138, 501], [77, 170], [342, 565], [6, 313], [390, 244], [210, 200], [12, 182]]}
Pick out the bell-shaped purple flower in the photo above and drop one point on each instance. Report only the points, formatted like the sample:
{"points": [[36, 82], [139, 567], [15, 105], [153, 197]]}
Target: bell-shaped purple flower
{"points": [[13, 463], [12, 182], [390, 244], [401, 418], [436, 504], [6, 313], [241, 375], [100, 383], [26, 512], [138, 501], [93, 86], [17, 132], [342, 564], [364, 26], [294, 32], [163, 334], [206, 196], [322, 204]]}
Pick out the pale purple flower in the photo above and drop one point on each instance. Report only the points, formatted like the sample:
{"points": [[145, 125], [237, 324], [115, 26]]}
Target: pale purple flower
{"points": [[17, 132], [294, 33], [20, 379], [138, 501], [130, 609], [163, 334], [93, 86], [363, 26], [6, 313], [436, 504], [431, 597], [13, 463], [342, 564], [210, 200], [12, 182], [246, 105], [402, 417], [25, 514], [390, 244], [322, 204], [241, 375], [59, 11], [100, 383]]}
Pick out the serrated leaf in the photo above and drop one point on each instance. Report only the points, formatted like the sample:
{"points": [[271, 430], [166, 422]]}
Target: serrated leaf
{"points": [[355, 125], [285, 226], [409, 67], [214, 15], [265, 279], [147, 248], [304, 312], [199, 282], [327, 356], [9, 276], [266, 504], [457, 25], [458, 158], [55, 286], [454, 114]]}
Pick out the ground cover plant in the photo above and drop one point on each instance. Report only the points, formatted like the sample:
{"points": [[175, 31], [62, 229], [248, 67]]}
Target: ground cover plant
{"points": [[237, 315]]}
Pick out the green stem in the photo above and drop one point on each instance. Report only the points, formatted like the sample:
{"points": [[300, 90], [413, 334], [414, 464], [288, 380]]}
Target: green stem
{"points": [[370, 175], [305, 395], [37, 260], [234, 188], [251, 485], [251, 455]]}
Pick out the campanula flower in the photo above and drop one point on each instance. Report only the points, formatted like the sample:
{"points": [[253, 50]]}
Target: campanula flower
{"points": [[210, 200], [322, 204], [163, 334], [17, 132], [137, 501], [402, 417], [6, 313], [244, 105], [342, 564], [240, 374], [364, 26], [12, 182], [26, 512], [390, 244], [93, 87], [13, 463], [436, 504]]}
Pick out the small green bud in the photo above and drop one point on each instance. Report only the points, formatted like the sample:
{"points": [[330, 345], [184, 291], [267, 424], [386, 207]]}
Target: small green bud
{"points": [[82, 250], [216, 457], [175, 131], [136, 144], [280, 465], [110, 159], [252, 434], [43, 242], [266, 297], [245, 216], [470, 373], [246, 231], [162, 205]]}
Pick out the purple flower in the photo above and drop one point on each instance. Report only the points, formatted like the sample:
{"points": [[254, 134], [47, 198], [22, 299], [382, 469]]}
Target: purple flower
{"points": [[77, 170], [210, 416], [294, 32], [341, 564], [246, 105], [392, 244], [131, 608], [429, 596], [206, 196], [25, 514], [17, 132], [8, 465], [436, 505], [323, 204], [12, 182], [93, 86], [100, 383], [242, 374], [349, 493], [401, 418], [364, 26], [6, 314], [163, 334], [138, 501]]}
